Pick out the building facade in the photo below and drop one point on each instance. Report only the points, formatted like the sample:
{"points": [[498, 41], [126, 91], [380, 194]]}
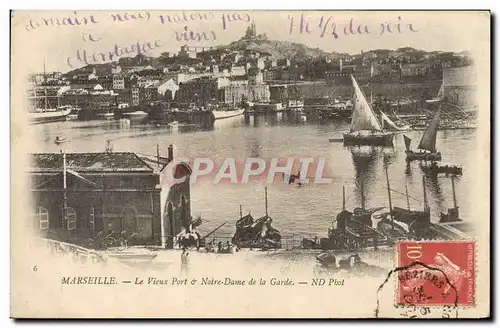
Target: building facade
{"points": [[337, 78], [417, 69], [118, 81], [460, 85], [108, 192]]}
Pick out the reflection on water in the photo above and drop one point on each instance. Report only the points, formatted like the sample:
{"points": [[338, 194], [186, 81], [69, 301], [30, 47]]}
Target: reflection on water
{"points": [[365, 160], [433, 184], [309, 209]]}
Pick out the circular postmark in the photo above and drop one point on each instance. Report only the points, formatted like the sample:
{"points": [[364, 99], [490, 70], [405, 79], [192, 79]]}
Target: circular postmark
{"points": [[422, 291]]}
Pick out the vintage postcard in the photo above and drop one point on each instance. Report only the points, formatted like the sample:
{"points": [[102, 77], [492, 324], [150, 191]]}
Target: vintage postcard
{"points": [[250, 164]]}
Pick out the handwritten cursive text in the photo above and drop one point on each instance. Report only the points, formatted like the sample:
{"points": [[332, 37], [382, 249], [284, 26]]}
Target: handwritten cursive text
{"points": [[83, 56], [329, 27]]}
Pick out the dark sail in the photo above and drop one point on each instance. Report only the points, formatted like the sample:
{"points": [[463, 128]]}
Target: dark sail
{"points": [[428, 141], [407, 142]]}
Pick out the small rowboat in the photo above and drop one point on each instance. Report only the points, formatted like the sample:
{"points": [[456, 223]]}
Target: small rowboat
{"points": [[60, 139], [439, 167]]}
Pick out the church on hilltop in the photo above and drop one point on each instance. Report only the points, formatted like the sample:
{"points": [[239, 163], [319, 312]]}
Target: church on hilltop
{"points": [[251, 33]]}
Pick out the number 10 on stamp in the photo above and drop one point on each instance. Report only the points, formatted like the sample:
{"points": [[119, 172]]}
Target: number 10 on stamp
{"points": [[436, 273]]}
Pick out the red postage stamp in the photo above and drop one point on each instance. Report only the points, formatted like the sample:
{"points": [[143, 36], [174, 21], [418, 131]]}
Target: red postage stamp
{"points": [[436, 273]]}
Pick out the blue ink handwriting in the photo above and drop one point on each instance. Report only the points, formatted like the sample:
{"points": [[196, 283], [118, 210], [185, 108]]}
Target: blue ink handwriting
{"points": [[61, 21], [184, 18], [88, 37], [329, 27], [130, 16], [192, 36], [117, 51], [234, 17]]}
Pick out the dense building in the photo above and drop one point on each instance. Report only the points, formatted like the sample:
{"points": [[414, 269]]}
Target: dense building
{"points": [[277, 93], [118, 81], [201, 91], [124, 96], [102, 100], [382, 69], [416, 69], [168, 89], [192, 51], [108, 192], [271, 74], [289, 74], [135, 91], [337, 78]]}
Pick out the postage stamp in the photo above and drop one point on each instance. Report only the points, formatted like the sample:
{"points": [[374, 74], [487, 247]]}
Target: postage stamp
{"points": [[436, 273]]}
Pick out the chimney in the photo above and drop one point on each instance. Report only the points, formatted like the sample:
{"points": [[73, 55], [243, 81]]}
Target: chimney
{"points": [[170, 153]]}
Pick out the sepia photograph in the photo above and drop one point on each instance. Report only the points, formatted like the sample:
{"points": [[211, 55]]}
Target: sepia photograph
{"points": [[250, 164]]}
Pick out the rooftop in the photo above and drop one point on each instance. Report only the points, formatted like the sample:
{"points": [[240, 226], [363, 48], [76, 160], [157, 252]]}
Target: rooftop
{"points": [[90, 162]]}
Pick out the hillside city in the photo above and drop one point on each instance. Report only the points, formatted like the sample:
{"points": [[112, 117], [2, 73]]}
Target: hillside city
{"points": [[252, 69]]}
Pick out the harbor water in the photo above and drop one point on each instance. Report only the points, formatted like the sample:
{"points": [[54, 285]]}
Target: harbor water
{"points": [[306, 210]]}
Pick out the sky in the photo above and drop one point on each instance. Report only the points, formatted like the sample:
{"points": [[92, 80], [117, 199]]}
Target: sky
{"points": [[35, 40]]}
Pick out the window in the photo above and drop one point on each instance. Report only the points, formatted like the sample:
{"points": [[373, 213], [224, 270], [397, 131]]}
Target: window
{"points": [[71, 217], [128, 220], [92, 219], [43, 218]]}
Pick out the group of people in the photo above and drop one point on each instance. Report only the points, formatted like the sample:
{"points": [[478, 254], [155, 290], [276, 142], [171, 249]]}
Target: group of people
{"points": [[219, 247]]}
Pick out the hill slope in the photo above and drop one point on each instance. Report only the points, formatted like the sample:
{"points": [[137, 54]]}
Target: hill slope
{"points": [[281, 49]]}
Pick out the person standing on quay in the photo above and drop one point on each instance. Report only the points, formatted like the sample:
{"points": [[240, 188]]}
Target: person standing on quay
{"points": [[184, 262]]}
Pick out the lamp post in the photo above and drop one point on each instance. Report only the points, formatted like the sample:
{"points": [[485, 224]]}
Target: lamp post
{"points": [[61, 141]]}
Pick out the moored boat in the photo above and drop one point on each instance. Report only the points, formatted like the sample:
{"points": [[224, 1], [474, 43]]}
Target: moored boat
{"points": [[436, 167], [426, 150], [365, 128], [374, 138], [137, 113], [221, 114], [258, 233], [353, 229], [48, 115], [106, 115]]}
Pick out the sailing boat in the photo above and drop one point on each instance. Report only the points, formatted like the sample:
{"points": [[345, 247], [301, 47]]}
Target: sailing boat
{"points": [[439, 96], [257, 233], [353, 229], [392, 126], [220, 113], [417, 221], [365, 128], [427, 146], [46, 114]]}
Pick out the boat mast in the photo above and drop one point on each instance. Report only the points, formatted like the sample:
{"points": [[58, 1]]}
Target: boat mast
{"points": [[158, 155], [35, 88], [453, 189], [65, 197], [389, 192], [45, 85], [266, 199], [407, 197], [343, 198], [426, 206], [362, 195], [371, 84]]}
